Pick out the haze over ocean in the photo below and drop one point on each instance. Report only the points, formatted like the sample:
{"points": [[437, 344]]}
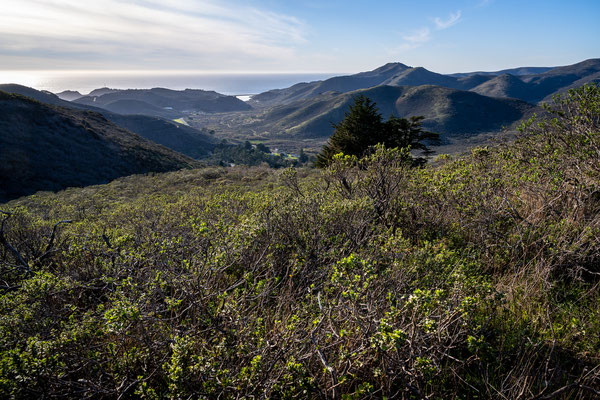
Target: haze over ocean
{"points": [[226, 83]]}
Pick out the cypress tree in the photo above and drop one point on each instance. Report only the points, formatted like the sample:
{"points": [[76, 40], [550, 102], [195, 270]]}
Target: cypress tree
{"points": [[363, 127]]}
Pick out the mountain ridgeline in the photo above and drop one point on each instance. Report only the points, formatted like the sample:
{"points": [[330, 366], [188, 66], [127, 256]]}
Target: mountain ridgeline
{"points": [[44, 147], [184, 139], [526, 83], [458, 106], [162, 102]]}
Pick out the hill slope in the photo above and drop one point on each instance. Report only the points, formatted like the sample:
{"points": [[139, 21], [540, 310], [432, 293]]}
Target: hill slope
{"points": [[506, 85], [542, 86], [527, 83], [50, 148], [447, 111], [181, 138], [158, 101], [69, 95], [519, 71]]}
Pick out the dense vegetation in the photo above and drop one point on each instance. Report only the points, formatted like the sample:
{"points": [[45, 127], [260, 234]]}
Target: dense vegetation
{"points": [[474, 278], [227, 154]]}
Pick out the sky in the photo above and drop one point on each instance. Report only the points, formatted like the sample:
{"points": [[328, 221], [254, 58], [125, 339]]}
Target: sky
{"points": [[342, 36]]}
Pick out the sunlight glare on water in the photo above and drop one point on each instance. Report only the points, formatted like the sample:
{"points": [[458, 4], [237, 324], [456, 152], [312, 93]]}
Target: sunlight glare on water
{"points": [[231, 83]]}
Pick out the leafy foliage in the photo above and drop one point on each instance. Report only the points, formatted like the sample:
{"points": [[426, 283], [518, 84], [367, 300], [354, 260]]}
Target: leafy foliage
{"points": [[474, 278]]}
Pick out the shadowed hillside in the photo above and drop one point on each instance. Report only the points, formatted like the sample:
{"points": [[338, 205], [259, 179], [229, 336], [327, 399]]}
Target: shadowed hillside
{"points": [[447, 111], [50, 148], [137, 107], [541, 87], [519, 71], [506, 85], [181, 138]]}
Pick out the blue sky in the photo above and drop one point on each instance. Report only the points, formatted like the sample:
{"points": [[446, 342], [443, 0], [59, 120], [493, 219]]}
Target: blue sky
{"points": [[341, 36]]}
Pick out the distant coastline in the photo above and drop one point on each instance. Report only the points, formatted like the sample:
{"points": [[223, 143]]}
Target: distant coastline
{"points": [[226, 83]]}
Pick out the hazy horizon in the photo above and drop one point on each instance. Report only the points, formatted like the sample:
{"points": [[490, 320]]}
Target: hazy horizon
{"points": [[230, 83], [226, 82]]}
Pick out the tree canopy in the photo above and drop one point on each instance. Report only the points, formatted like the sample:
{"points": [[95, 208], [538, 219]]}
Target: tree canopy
{"points": [[363, 127]]}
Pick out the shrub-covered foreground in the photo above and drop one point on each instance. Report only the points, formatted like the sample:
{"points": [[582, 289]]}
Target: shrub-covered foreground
{"points": [[476, 278]]}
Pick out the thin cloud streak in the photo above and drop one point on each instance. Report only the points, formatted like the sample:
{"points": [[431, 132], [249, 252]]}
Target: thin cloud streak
{"points": [[412, 41], [484, 3], [452, 19], [422, 35], [199, 33]]}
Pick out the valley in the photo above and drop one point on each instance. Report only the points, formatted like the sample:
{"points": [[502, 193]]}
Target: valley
{"points": [[466, 110]]}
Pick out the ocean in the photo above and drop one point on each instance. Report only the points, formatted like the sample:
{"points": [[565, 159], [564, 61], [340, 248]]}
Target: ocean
{"points": [[226, 83]]}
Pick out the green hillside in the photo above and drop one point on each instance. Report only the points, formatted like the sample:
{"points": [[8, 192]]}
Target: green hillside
{"points": [[447, 111], [476, 277], [525, 83]]}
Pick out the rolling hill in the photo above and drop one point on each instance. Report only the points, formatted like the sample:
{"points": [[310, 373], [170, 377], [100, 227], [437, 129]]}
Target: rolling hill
{"points": [[541, 87], [181, 138], [448, 111], [512, 71], [69, 95], [532, 84], [163, 102], [507, 85], [44, 147], [395, 74]]}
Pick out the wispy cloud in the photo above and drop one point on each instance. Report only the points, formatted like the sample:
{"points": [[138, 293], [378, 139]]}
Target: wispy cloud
{"points": [[452, 19], [423, 35], [186, 34], [412, 41], [484, 3], [419, 36]]}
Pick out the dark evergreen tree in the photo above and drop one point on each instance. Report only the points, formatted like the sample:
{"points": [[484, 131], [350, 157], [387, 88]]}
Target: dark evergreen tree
{"points": [[302, 157], [263, 148], [360, 128], [402, 132], [363, 127]]}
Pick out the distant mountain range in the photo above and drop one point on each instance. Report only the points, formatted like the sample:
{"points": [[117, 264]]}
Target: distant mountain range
{"points": [[181, 138], [453, 105], [530, 84], [161, 102], [45, 147], [69, 95]]}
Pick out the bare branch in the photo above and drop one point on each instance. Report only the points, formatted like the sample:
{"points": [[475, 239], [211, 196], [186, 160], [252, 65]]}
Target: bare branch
{"points": [[51, 241], [329, 368], [9, 247]]}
